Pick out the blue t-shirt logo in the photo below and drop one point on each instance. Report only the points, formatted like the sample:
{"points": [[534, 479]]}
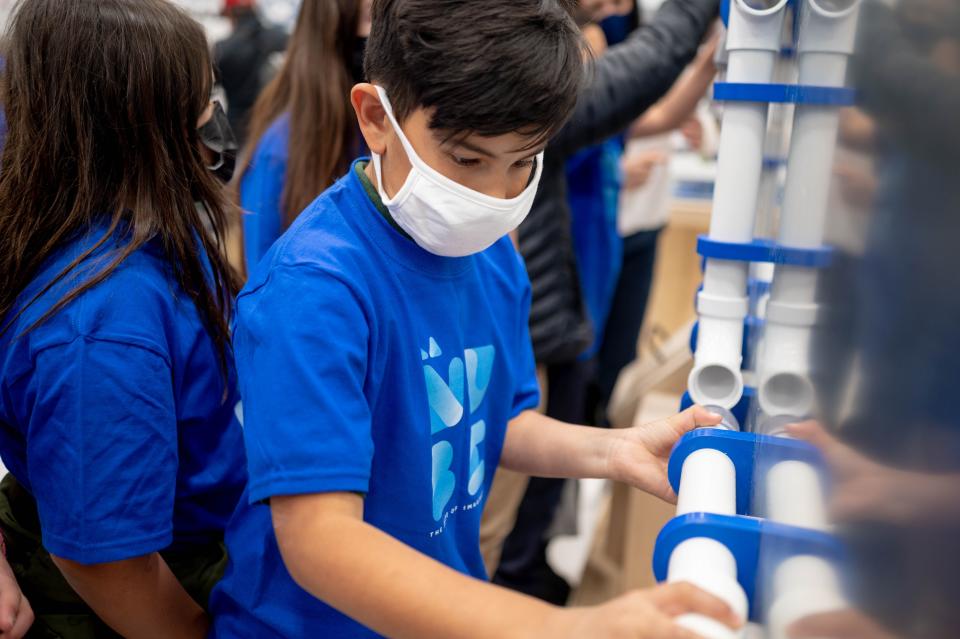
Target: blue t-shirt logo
{"points": [[467, 378]]}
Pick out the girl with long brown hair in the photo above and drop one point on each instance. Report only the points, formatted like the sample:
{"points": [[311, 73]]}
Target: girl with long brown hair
{"points": [[118, 402], [303, 133]]}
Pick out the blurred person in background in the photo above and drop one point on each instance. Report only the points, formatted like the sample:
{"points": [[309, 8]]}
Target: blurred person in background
{"points": [[243, 60], [643, 212], [303, 130]]}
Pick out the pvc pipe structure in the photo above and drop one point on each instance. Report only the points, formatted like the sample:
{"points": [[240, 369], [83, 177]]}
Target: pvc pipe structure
{"points": [[826, 42], [753, 43], [708, 483], [802, 584]]}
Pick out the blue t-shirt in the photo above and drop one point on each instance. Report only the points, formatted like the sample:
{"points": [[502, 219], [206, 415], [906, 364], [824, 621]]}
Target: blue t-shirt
{"points": [[593, 179], [261, 192], [113, 414], [369, 365]]}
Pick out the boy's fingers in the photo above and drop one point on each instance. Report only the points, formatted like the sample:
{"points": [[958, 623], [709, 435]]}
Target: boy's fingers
{"points": [[662, 626], [683, 597], [24, 621], [10, 599], [679, 632], [695, 417]]}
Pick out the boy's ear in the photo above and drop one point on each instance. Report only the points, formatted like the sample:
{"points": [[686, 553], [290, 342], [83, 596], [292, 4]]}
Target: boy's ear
{"points": [[374, 124]]}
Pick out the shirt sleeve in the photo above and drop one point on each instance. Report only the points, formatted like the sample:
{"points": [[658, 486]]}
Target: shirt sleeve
{"points": [[261, 192], [301, 342], [102, 450]]}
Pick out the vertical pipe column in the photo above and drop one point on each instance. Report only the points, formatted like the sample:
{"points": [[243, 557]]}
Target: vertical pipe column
{"points": [[708, 483], [825, 44], [803, 584], [753, 43]]}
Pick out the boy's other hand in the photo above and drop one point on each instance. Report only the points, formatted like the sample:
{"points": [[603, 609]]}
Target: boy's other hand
{"points": [[16, 616], [642, 614], [640, 455]]}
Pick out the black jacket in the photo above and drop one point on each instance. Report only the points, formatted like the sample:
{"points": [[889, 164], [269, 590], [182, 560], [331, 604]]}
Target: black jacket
{"points": [[241, 60], [623, 83]]}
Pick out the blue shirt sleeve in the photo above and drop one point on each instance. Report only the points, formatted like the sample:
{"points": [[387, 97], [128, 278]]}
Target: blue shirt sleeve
{"points": [[301, 342], [261, 193], [102, 449]]}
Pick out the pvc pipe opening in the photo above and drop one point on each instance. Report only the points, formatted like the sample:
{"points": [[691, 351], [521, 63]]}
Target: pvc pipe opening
{"points": [[777, 425], [834, 8], [761, 7], [786, 394], [716, 385]]}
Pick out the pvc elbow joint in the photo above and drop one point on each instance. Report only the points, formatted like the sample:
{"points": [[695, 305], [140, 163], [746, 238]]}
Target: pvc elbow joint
{"points": [[716, 384], [786, 393]]}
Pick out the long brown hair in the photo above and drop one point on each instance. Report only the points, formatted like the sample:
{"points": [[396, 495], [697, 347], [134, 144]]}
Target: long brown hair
{"points": [[314, 88], [103, 99]]}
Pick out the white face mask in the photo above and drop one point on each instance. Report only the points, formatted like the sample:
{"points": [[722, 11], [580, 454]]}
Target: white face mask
{"points": [[443, 216]]}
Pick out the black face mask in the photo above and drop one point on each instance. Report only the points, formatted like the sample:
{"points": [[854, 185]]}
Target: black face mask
{"points": [[356, 63], [217, 136]]}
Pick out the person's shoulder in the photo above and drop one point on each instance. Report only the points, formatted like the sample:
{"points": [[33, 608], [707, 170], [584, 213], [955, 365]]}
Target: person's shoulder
{"points": [[274, 143], [134, 304]]}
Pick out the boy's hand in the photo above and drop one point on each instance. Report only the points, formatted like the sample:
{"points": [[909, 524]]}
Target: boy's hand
{"points": [[16, 616], [642, 614], [640, 455]]}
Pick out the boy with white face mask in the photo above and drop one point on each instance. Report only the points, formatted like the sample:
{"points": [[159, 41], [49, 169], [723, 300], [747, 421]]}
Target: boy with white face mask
{"points": [[385, 361]]}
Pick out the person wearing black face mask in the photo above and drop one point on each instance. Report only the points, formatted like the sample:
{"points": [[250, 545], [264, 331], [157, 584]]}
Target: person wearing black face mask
{"points": [[303, 134], [116, 307], [219, 139]]}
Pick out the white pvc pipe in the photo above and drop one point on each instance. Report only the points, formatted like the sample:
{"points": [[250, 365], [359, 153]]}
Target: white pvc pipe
{"points": [[709, 565], [708, 483], [795, 495], [753, 41], [785, 387], [812, 146], [804, 584], [824, 47], [717, 380]]}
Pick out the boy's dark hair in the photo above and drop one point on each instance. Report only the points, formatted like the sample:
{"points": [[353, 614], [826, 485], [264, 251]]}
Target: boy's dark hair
{"points": [[488, 67]]}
